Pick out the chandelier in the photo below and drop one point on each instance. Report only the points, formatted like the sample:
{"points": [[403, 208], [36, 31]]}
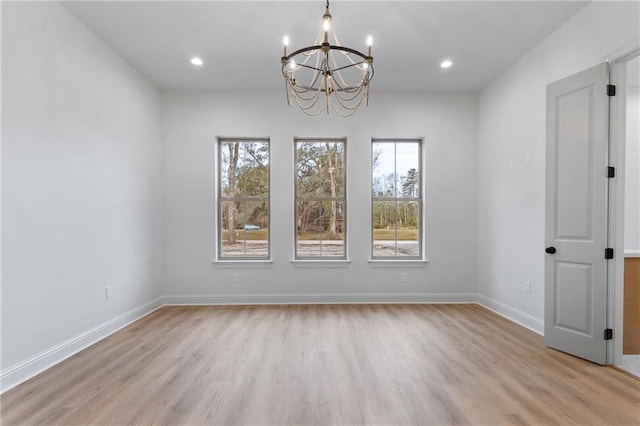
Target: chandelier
{"points": [[327, 76]]}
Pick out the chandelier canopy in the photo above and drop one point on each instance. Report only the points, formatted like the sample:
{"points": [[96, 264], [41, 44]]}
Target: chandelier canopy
{"points": [[327, 76]]}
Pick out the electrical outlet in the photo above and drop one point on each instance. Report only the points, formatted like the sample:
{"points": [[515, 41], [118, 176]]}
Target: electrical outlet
{"points": [[107, 292], [403, 277], [527, 286], [235, 278]]}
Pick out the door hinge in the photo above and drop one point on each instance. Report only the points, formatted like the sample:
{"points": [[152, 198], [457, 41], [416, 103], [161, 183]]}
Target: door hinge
{"points": [[608, 253], [611, 172], [608, 333], [611, 89]]}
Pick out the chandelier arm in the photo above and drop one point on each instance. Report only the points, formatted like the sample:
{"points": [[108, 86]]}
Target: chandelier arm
{"points": [[337, 71], [309, 67], [317, 71], [344, 67], [346, 89], [349, 89], [353, 63], [366, 79], [301, 88], [348, 56]]}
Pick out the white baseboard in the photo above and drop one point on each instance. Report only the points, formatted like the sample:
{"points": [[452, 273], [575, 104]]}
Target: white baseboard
{"points": [[23, 371], [524, 319], [318, 298]]}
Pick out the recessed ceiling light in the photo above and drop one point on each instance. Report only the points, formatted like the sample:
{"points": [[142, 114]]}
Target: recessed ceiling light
{"points": [[196, 61], [446, 63]]}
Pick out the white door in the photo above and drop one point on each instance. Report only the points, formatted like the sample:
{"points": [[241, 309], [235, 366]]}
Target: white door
{"points": [[576, 214]]}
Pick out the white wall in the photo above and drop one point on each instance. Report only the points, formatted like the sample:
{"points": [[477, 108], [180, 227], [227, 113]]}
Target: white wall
{"points": [[511, 123], [81, 186], [191, 122], [632, 168]]}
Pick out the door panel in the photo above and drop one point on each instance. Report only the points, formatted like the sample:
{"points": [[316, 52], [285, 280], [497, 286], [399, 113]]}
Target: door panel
{"points": [[573, 297], [576, 214], [573, 184]]}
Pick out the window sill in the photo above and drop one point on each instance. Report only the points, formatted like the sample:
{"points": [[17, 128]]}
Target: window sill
{"points": [[411, 263], [234, 263], [307, 263]]}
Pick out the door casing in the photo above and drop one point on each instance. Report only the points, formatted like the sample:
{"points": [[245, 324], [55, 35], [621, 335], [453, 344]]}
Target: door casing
{"points": [[617, 130]]}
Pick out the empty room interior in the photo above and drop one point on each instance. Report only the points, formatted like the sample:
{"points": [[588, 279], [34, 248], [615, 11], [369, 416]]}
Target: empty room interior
{"points": [[314, 212]]}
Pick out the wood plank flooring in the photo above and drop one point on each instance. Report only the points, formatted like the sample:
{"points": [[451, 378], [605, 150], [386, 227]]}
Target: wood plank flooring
{"points": [[321, 365]]}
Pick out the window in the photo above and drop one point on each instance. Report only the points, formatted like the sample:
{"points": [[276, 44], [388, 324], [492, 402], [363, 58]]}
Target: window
{"points": [[396, 190], [243, 199], [320, 202]]}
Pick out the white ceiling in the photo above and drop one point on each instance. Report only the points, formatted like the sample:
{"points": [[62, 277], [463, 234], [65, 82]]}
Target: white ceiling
{"points": [[240, 41]]}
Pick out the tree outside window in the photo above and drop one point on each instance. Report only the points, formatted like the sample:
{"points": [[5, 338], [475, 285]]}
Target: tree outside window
{"points": [[243, 199], [396, 193], [320, 203]]}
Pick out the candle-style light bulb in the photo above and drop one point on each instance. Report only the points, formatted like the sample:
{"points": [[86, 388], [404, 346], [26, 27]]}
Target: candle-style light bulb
{"points": [[285, 42], [369, 43], [326, 24]]}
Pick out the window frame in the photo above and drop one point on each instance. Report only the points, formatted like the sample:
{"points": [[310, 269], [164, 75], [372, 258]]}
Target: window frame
{"points": [[220, 199], [396, 199], [297, 198]]}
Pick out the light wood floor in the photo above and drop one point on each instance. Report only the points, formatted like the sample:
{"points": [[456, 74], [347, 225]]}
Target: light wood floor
{"points": [[303, 365]]}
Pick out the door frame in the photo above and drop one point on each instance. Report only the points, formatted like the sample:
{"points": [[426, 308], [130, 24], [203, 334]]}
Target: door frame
{"points": [[617, 129]]}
